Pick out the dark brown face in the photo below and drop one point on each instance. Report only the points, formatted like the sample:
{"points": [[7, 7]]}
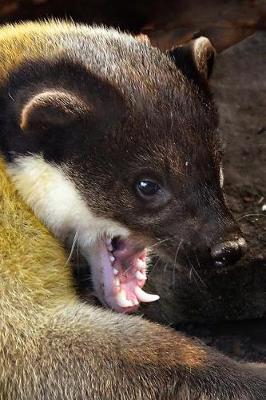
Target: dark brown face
{"points": [[162, 179], [142, 152]]}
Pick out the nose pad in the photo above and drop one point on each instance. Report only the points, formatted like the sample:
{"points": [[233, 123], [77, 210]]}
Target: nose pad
{"points": [[228, 252]]}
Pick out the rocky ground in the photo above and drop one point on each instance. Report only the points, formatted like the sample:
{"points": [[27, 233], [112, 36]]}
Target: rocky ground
{"points": [[239, 84]]}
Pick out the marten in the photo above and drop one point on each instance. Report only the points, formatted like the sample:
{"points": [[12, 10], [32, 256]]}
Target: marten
{"points": [[114, 146]]}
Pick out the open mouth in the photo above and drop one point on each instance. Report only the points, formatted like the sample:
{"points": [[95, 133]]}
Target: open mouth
{"points": [[119, 272]]}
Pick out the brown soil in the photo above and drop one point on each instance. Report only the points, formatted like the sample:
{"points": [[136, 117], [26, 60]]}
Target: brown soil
{"points": [[239, 84], [240, 91]]}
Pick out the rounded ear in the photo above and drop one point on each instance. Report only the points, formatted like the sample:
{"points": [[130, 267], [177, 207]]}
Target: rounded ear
{"points": [[51, 107], [198, 54], [141, 37], [204, 53]]}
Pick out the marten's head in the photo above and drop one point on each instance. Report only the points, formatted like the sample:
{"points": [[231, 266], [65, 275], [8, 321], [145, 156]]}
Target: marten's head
{"points": [[114, 143]]}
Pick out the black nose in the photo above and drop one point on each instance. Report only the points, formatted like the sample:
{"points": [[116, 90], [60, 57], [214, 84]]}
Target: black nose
{"points": [[228, 252]]}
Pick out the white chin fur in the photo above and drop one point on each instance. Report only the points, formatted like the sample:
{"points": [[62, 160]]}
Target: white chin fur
{"points": [[57, 202]]}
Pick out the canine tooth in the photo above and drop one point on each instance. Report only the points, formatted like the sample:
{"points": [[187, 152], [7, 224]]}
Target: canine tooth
{"points": [[109, 244], [112, 258], [141, 264], [115, 271], [135, 302], [117, 282], [145, 297], [140, 276], [122, 300]]}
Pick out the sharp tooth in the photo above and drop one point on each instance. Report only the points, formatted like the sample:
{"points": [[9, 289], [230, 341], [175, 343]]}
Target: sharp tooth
{"points": [[122, 300], [135, 302], [109, 244], [140, 276], [117, 282], [145, 297], [115, 271], [141, 264], [112, 258]]}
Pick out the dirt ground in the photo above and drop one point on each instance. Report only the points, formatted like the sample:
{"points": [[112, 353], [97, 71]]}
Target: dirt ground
{"points": [[240, 91], [239, 84]]}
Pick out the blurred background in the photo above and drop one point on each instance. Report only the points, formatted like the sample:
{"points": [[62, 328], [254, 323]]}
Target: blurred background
{"points": [[165, 22], [226, 308]]}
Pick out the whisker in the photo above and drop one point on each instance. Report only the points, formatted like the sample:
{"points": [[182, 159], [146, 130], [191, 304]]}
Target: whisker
{"points": [[165, 268], [154, 254], [174, 265], [190, 274], [153, 266], [195, 272], [78, 260], [158, 243], [72, 248], [251, 215], [173, 275]]}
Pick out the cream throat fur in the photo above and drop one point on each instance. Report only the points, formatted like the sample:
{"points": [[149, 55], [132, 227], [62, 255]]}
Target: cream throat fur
{"points": [[56, 201]]}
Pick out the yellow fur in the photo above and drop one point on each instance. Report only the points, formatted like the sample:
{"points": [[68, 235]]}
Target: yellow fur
{"points": [[29, 40], [24, 41], [29, 254]]}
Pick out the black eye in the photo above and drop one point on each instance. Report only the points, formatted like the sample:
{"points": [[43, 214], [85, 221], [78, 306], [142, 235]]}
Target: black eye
{"points": [[147, 188]]}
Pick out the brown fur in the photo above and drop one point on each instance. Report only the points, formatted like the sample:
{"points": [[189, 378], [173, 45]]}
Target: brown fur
{"points": [[52, 346]]}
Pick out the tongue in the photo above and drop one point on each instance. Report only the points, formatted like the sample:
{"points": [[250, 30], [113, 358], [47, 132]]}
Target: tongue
{"points": [[124, 278]]}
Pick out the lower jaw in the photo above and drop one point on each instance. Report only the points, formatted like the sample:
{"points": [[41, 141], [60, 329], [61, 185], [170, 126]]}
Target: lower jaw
{"points": [[119, 287], [121, 310]]}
